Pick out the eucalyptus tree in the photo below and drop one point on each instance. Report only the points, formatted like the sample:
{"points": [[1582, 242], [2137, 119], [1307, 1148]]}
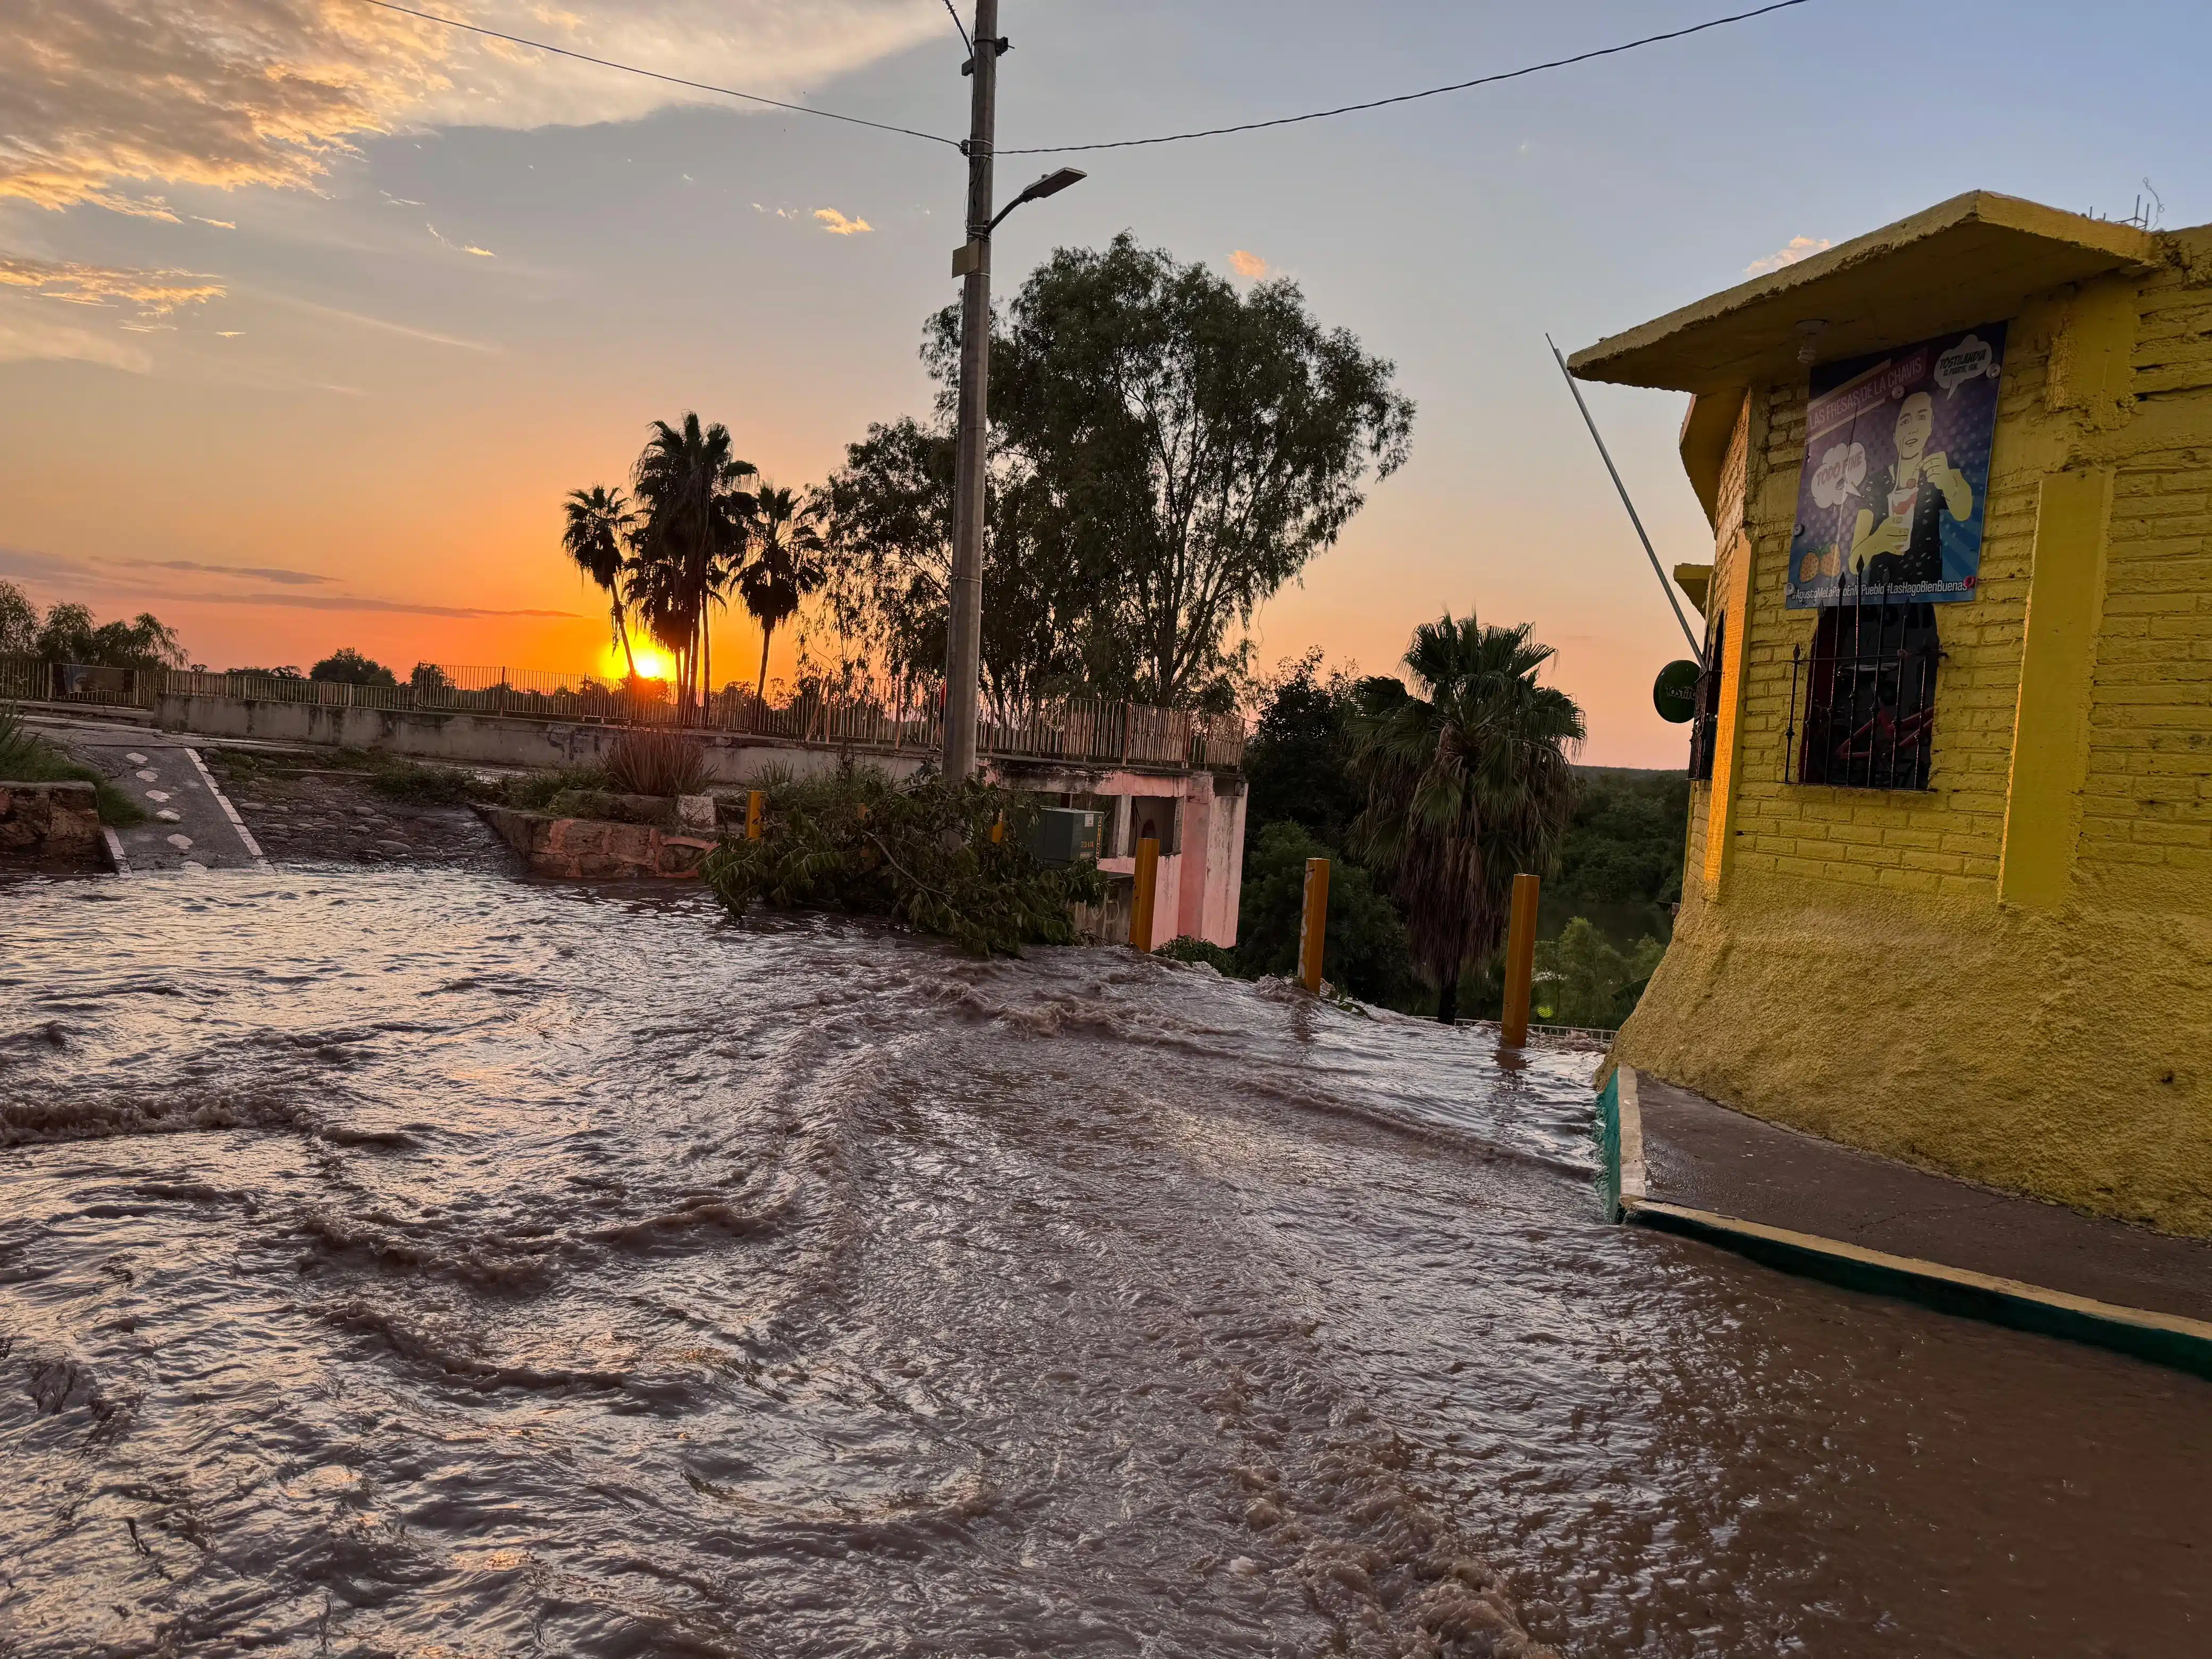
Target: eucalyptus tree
{"points": [[1467, 785], [1182, 449], [694, 523], [596, 535], [787, 562]]}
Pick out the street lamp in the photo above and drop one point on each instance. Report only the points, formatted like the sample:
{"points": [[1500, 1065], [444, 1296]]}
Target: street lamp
{"points": [[964, 633]]}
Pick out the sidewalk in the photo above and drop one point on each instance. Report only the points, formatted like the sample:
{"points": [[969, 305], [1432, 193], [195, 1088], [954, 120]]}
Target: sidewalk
{"points": [[1688, 1165]]}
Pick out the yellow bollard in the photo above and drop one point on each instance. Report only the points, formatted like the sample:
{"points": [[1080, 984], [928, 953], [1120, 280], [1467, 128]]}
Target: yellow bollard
{"points": [[1148, 881], [998, 830], [755, 815], [1520, 961], [1312, 928]]}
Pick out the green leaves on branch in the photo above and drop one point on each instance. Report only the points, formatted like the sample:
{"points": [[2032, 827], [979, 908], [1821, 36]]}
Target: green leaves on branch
{"points": [[1166, 452], [920, 853]]}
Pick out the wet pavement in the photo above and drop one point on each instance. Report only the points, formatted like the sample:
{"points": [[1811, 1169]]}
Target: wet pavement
{"points": [[425, 1261], [190, 827], [1709, 1158]]}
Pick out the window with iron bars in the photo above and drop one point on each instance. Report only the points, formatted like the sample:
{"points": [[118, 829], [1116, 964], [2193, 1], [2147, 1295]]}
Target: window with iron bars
{"points": [[1705, 724], [1862, 696]]}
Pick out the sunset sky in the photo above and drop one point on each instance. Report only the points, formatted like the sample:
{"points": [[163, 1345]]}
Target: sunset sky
{"points": [[310, 313]]}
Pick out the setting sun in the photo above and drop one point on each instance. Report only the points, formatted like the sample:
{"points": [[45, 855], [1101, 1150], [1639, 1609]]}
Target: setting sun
{"points": [[652, 663]]}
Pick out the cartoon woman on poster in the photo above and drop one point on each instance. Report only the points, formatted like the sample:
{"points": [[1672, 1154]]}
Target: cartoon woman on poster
{"points": [[1904, 547]]}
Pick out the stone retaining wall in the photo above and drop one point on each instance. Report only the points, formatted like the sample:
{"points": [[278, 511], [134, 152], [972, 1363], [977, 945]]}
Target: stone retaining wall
{"points": [[50, 824], [587, 849]]}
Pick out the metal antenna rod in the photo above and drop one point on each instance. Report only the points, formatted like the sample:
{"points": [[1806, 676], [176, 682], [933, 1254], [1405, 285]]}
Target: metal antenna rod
{"points": [[1697, 650]]}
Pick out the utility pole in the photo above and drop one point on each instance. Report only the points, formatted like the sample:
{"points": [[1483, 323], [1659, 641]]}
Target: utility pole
{"points": [[963, 635]]}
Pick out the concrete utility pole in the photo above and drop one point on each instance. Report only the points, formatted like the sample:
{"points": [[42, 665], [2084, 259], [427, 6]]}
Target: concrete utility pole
{"points": [[964, 634]]}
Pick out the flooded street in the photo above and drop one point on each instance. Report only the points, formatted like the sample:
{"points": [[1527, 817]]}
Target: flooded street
{"points": [[423, 1262]]}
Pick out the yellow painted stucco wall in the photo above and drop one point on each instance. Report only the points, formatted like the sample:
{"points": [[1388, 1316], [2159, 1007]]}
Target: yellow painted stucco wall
{"points": [[2008, 976]]}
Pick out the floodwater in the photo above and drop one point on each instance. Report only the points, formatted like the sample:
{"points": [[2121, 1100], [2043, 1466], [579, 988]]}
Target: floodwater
{"points": [[430, 1263]]}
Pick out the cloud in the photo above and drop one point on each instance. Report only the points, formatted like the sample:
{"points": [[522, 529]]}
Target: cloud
{"points": [[155, 293], [382, 324], [30, 332], [298, 578], [1798, 247], [220, 224], [341, 602], [1247, 265], [461, 247], [100, 574], [99, 96], [838, 225]]}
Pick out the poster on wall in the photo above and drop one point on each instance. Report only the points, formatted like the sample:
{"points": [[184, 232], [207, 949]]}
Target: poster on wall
{"points": [[1897, 469]]}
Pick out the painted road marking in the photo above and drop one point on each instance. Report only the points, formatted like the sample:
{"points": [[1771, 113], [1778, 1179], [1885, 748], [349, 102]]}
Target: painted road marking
{"points": [[182, 843], [161, 795], [135, 758], [147, 775], [245, 835]]}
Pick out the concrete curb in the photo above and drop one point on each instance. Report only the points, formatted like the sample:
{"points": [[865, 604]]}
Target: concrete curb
{"points": [[2164, 1339]]}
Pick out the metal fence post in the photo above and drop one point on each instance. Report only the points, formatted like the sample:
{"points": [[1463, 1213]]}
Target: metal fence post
{"points": [[1148, 881], [1313, 926], [1520, 961]]}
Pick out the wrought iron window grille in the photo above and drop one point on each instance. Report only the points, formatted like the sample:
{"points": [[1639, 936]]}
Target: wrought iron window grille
{"points": [[1862, 696]]}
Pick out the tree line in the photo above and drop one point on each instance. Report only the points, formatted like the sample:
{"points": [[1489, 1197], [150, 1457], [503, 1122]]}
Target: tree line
{"points": [[1165, 453], [1427, 800]]}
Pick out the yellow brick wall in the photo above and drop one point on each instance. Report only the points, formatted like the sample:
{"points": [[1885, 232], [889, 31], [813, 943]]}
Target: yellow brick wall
{"points": [[1855, 974]]}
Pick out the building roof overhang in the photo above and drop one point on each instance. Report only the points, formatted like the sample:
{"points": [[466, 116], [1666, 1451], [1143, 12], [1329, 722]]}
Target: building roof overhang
{"points": [[1974, 258]]}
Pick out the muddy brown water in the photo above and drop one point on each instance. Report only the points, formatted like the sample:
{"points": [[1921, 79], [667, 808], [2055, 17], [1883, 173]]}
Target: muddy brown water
{"points": [[430, 1263]]}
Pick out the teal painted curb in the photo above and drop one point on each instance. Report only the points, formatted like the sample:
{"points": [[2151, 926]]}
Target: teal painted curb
{"points": [[1606, 1128], [2165, 1340]]}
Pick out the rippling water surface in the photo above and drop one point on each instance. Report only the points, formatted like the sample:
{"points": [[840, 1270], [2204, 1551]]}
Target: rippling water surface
{"points": [[433, 1264]]}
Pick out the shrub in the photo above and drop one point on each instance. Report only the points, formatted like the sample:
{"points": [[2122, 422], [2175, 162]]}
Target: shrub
{"points": [[428, 786], [1185, 948], [921, 853], [534, 792], [27, 758], [1365, 952], [347, 666], [657, 763]]}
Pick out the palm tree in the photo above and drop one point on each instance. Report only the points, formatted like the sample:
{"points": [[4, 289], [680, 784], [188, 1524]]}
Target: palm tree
{"points": [[1465, 787], [690, 538], [597, 536], [789, 561]]}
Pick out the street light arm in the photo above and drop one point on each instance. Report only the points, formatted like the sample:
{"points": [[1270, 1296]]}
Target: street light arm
{"points": [[1051, 184]]}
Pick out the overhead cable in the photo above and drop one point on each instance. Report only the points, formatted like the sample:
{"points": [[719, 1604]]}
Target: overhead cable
{"points": [[1111, 143], [1409, 97], [655, 74]]}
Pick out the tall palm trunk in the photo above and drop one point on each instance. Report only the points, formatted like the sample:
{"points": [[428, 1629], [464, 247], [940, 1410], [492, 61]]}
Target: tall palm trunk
{"points": [[622, 633], [768, 633]]}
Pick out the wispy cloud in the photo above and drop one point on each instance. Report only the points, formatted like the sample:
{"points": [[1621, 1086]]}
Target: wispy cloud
{"points": [[261, 573], [1246, 264], [838, 225], [382, 324], [220, 224], [155, 293], [460, 247], [73, 574], [30, 332], [1797, 247], [103, 96]]}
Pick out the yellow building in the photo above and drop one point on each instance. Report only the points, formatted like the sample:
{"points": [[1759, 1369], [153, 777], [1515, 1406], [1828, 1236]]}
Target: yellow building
{"points": [[1949, 885]]}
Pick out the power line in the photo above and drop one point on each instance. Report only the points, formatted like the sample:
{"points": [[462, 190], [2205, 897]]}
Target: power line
{"points": [[1114, 143], [655, 74], [1409, 97]]}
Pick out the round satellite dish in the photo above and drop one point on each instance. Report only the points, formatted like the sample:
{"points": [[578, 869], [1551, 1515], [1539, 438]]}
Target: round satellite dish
{"points": [[1674, 693]]}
